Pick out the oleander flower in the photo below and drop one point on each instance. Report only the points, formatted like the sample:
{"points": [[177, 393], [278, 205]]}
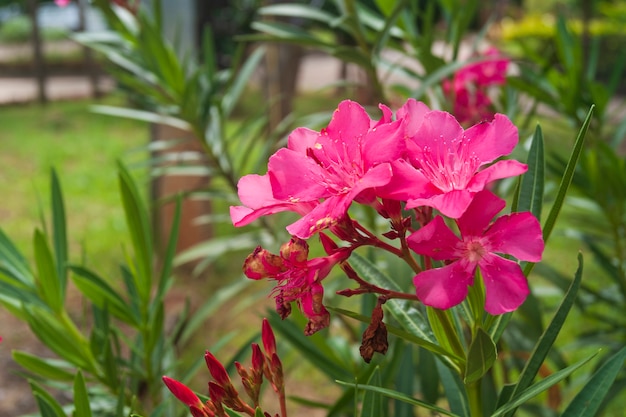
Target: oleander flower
{"points": [[319, 174], [298, 279], [506, 288], [447, 165], [469, 87]]}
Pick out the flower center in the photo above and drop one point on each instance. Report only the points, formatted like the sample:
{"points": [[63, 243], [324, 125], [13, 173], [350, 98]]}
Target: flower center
{"points": [[474, 251], [449, 163]]}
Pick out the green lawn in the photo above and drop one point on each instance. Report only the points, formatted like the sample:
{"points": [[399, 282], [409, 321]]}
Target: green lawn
{"points": [[83, 148]]}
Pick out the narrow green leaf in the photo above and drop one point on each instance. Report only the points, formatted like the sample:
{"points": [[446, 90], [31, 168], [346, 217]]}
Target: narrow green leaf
{"points": [[299, 11], [14, 262], [481, 356], [532, 185], [258, 412], [42, 367], [102, 294], [59, 230], [372, 400], [545, 342], [170, 253], [139, 229], [400, 333], [453, 388], [141, 115], [48, 406], [241, 81], [81, 398], [47, 279], [398, 396], [540, 387], [588, 400], [567, 178]]}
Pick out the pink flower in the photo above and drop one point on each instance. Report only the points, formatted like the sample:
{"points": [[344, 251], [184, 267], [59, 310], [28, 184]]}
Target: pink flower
{"points": [[517, 234], [447, 163], [468, 88], [255, 192], [62, 3], [319, 174], [299, 279]]}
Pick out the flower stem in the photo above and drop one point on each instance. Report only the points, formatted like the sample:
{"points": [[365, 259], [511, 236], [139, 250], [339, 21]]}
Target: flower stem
{"points": [[474, 396]]}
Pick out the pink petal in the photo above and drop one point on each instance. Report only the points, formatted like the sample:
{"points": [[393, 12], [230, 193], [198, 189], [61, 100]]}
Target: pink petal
{"points": [[349, 123], [479, 214], [255, 191], [321, 217], [506, 287], [294, 176], [438, 133], [492, 140], [412, 112], [444, 287], [518, 234], [452, 204], [301, 139], [435, 240], [501, 169], [406, 183], [384, 143]]}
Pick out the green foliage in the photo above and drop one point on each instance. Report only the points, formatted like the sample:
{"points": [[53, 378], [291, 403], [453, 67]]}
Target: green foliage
{"points": [[18, 29]]}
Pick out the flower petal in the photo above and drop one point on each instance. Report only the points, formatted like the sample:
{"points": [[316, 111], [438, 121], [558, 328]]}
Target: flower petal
{"points": [[349, 123], [444, 287], [412, 112], [301, 139], [435, 240], [501, 169], [437, 134], [517, 234], [294, 176], [452, 204], [479, 214], [494, 139], [506, 287]]}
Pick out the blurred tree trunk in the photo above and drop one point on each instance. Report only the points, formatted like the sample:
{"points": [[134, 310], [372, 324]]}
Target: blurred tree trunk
{"points": [[282, 64], [39, 66], [166, 186], [90, 66]]}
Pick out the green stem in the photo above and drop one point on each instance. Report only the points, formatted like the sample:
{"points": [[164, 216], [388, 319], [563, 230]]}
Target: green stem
{"points": [[474, 396]]}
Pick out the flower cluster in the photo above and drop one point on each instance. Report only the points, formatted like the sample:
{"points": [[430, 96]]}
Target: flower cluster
{"points": [[468, 88], [222, 393], [416, 169]]}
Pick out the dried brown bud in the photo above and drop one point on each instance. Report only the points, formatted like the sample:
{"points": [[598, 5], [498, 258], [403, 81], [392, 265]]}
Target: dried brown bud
{"points": [[375, 336]]}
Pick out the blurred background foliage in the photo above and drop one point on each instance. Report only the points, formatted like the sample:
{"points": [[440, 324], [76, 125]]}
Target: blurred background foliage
{"points": [[231, 101]]}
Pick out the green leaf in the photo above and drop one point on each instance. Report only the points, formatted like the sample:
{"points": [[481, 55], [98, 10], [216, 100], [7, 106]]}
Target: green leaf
{"points": [[42, 367], [81, 398], [545, 342], [453, 388], [102, 294], [566, 180], [48, 406], [14, 262], [540, 387], [588, 400], [409, 337], [299, 11], [165, 278], [532, 186], [47, 279], [59, 230], [372, 400], [398, 396], [258, 412], [141, 115], [139, 228], [481, 356]]}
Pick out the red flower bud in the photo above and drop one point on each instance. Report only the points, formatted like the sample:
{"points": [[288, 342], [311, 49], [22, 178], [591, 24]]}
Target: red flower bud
{"points": [[217, 370], [257, 359], [262, 264], [267, 336], [182, 392], [296, 251]]}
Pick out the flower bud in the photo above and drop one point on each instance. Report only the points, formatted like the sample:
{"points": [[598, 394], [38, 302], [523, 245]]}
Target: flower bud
{"points": [[182, 392], [262, 264], [268, 339], [217, 370], [296, 251]]}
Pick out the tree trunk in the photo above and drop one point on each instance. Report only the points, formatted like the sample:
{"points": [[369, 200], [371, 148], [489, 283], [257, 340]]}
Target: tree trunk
{"points": [[39, 67]]}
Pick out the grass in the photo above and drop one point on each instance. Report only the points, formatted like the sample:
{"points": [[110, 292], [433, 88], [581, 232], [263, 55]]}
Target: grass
{"points": [[83, 148]]}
